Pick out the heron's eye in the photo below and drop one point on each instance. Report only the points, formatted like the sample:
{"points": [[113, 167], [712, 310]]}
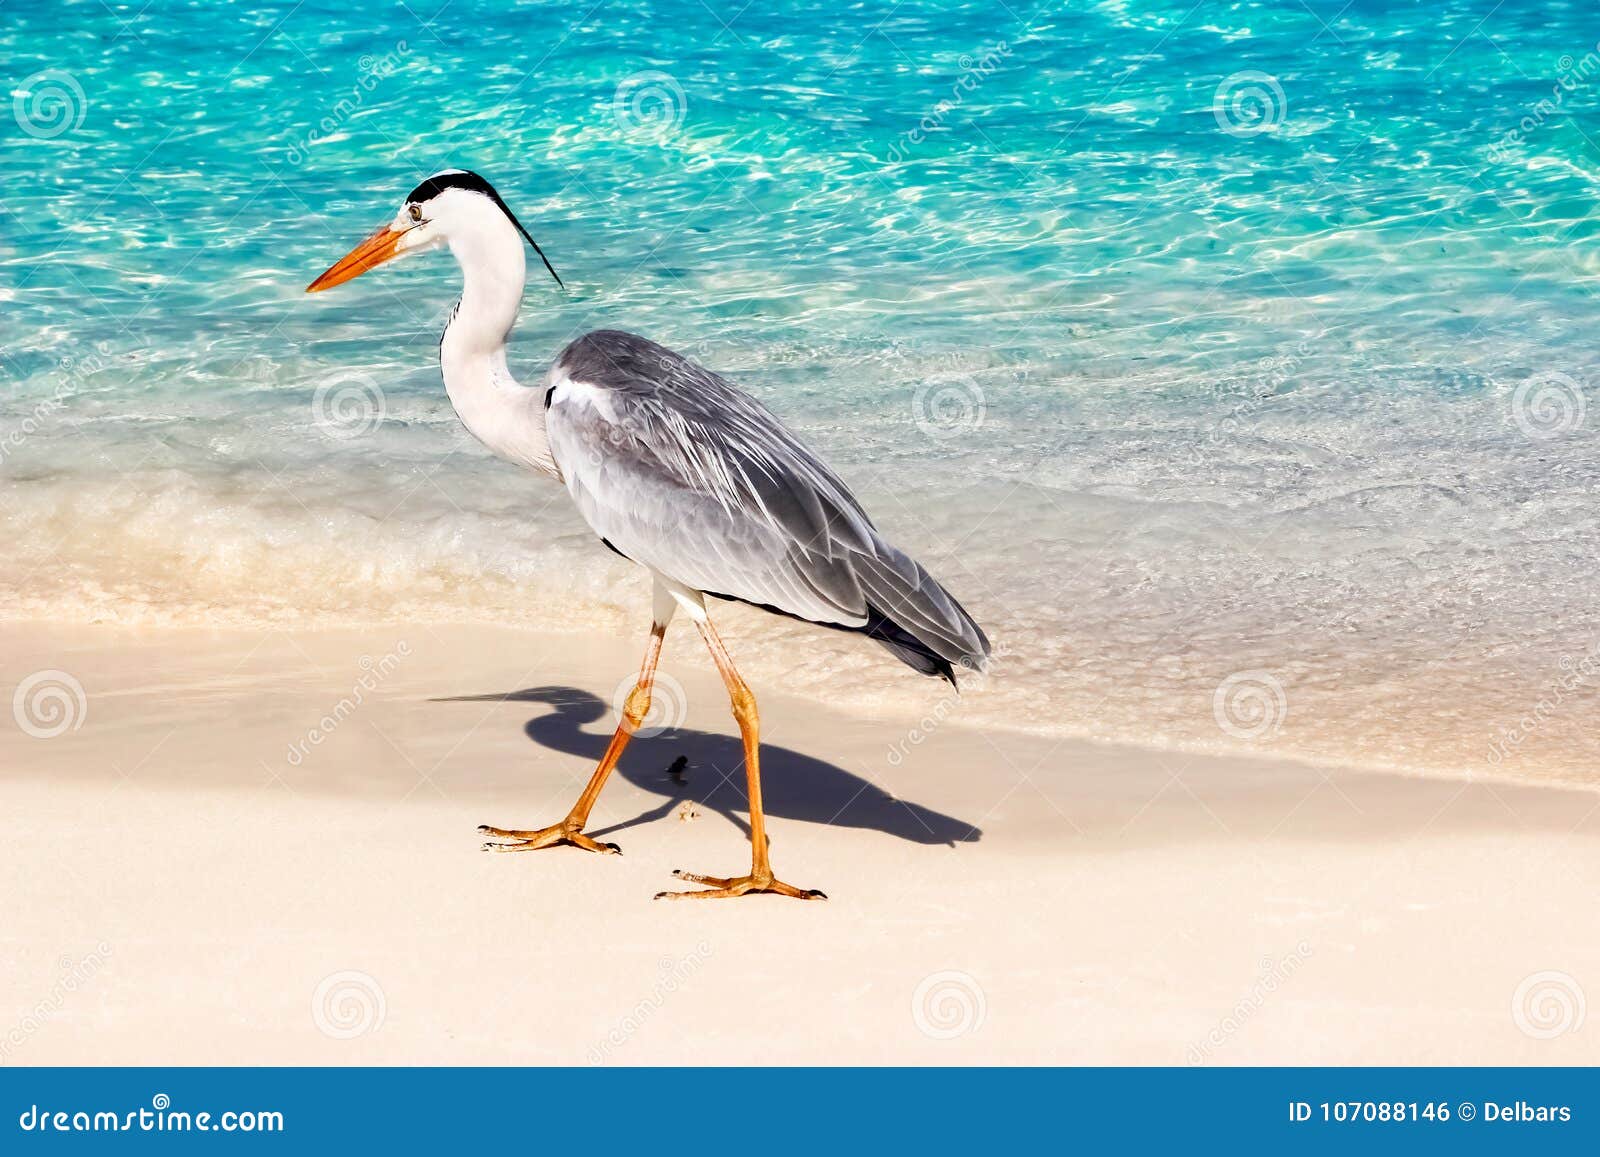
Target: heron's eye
{"points": [[416, 213]]}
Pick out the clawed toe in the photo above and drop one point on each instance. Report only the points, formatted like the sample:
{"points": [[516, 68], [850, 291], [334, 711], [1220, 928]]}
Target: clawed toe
{"points": [[722, 887], [528, 841]]}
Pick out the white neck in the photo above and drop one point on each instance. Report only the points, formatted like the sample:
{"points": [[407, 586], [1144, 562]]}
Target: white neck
{"points": [[506, 417]]}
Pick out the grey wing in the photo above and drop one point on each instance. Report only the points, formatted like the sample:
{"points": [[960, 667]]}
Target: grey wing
{"points": [[679, 470]]}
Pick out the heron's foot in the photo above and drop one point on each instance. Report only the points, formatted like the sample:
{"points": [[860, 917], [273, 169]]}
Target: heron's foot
{"points": [[721, 887], [565, 832]]}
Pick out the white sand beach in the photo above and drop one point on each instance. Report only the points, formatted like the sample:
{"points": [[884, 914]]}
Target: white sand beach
{"points": [[191, 877]]}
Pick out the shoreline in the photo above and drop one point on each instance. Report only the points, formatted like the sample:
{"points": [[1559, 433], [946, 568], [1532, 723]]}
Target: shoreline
{"points": [[905, 701], [996, 897]]}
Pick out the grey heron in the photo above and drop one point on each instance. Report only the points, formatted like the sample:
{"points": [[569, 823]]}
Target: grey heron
{"points": [[676, 469]]}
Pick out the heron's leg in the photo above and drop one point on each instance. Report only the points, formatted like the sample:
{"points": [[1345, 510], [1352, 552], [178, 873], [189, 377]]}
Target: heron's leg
{"points": [[760, 878], [634, 709]]}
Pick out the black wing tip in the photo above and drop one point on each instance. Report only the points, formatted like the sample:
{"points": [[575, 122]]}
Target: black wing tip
{"points": [[918, 655], [976, 663], [883, 630]]}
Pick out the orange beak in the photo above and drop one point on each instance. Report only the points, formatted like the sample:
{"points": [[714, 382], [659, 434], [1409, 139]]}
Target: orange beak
{"points": [[377, 247]]}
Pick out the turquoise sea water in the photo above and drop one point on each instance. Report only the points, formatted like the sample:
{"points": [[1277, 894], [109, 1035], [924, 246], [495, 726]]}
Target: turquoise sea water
{"points": [[1232, 362]]}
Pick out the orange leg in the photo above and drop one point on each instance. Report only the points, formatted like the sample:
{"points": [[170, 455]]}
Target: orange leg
{"points": [[570, 830], [760, 878]]}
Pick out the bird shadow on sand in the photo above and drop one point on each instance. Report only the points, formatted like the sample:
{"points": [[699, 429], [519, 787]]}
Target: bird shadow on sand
{"points": [[794, 785]]}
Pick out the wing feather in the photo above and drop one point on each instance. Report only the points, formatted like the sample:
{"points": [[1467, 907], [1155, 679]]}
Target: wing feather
{"points": [[683, 472]]}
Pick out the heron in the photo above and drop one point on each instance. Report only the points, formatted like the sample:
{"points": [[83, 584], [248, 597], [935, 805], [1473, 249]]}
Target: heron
{"points": [[676, 469]]}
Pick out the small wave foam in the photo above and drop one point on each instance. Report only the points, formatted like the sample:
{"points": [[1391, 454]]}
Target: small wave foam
{"points": [[1384, 607]]}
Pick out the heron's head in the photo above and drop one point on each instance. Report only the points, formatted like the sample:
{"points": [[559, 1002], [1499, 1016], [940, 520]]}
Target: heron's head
{"points": [[454, 208]]}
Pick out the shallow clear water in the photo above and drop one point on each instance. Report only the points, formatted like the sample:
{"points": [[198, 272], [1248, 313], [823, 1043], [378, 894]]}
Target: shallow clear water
{"points": [[1230, 361]]}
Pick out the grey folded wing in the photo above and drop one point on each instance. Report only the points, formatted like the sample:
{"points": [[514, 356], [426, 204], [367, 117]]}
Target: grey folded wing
{"points": [[683, 472]]}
